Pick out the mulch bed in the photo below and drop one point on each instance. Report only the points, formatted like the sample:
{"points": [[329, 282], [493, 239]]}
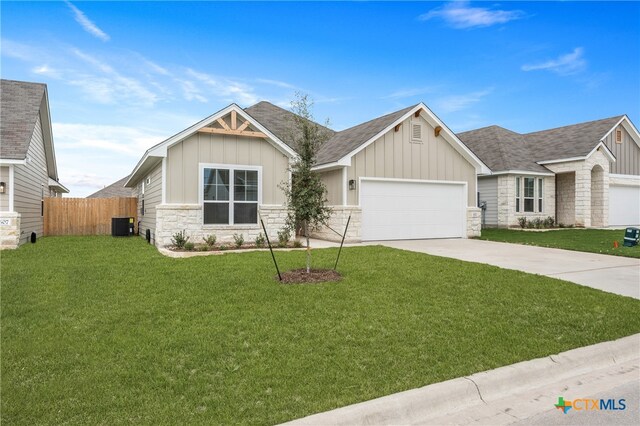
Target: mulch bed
{"points": [[300, 276]]}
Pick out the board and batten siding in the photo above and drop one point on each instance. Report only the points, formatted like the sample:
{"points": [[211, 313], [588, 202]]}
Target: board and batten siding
{"points": [[4, 198], [31, 184], [183, 161], [152, 197], [488, 189], [394, 155], [333, 181], [627, 153]]}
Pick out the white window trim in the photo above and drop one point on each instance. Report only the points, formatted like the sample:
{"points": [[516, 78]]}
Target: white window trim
{"points": [[536, 194], [232, 168]]}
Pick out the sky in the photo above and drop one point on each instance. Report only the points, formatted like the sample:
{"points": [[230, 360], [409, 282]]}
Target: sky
{"points": [[123, 76]]}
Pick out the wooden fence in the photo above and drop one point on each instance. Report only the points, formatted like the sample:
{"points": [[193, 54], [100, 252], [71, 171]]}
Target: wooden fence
{"points": [[85, 216]]}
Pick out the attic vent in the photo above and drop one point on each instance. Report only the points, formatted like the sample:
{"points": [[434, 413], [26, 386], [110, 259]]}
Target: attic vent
{"points": [[147, 180], [416, 132], [618, 136]]}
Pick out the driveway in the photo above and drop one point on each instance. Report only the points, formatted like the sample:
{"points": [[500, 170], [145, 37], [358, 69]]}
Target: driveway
{"points": [[614, 274]]}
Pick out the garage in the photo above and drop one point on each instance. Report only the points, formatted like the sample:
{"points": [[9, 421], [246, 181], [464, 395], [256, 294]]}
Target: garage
{"points": [[408, 209], [624, 205]]}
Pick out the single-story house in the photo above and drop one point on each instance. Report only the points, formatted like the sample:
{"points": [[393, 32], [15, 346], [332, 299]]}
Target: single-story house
{"points": [[115, 190], [404, 175], [585, 174], [28, 171]]}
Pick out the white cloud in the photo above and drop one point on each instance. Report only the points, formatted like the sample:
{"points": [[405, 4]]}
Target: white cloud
{"points": [[461, 15], [453, 103], [120, 140], [225, 88], [20, 51], [567, 64], [410, 92], [87, 24], [47, 71]]}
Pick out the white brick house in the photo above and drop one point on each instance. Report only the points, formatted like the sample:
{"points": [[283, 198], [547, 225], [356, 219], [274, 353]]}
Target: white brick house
{"points": [[586, 175]]}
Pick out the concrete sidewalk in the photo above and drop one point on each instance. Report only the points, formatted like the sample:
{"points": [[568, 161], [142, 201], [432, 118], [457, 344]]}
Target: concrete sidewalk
{"points": [[522, 391], [614, 274]]}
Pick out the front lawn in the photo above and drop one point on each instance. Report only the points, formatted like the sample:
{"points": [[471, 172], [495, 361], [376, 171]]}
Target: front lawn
{"points": [[105, 330], [589, 240]]}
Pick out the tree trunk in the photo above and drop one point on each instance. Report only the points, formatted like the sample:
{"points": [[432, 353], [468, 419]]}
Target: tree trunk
{"points": [[306, 234]]}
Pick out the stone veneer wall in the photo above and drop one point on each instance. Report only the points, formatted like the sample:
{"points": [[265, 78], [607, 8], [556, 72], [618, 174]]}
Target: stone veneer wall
{"points": [[507, 215], [172, 218], [338, 221], [566, 198], [9, 230], [582, 171], [474, 221]]}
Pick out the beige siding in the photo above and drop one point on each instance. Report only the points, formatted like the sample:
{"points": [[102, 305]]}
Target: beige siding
{"points": [[488, 189], [333, 182], [627, 153], [183, 161], [395, 156], [4, 198], [31, 180], [152, 197]]}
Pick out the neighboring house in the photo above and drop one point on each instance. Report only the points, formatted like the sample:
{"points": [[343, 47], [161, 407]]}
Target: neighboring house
{"points": [[585, 174], [28, 170], [115, 190], [400, 176]]}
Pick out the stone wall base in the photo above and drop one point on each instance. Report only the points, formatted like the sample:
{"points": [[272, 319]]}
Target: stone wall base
{"points": [[474, 221], [338, 221], [9, 230], [173, 218]]}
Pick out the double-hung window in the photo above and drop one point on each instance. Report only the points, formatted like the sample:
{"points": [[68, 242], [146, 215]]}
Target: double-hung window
{"points": [[518, 194], [540, 195], [230, 195], [529, 194]]}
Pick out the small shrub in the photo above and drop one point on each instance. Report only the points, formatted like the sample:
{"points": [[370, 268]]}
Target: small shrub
{"points": [[189, 246], [260, 240], [297, 244], [283, 237], [549, 221], [222, 247], [179, 239], [522, 221], [202, 247], [537, 223], [238, 240], [210, 240]]}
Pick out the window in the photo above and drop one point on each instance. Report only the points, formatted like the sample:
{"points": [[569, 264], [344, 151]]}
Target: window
{"points": [[230, 196], [529, 193], [517, 194], [42, 201], [540, 197]]}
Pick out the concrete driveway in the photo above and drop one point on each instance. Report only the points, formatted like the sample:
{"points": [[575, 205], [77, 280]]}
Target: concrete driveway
{"points": [[615, 274]]}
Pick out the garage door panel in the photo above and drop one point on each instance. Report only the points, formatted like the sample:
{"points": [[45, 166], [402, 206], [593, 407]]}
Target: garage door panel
{"points": [[412, 210], [624, 205]]}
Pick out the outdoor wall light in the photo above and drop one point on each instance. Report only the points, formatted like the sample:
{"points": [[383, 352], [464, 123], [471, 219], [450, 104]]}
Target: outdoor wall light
{"points": [[352, 184], [3, 187]]}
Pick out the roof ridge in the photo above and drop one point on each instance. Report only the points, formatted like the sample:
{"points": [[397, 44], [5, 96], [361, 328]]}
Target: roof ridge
{"points": [[617, 117], [379, 117]]}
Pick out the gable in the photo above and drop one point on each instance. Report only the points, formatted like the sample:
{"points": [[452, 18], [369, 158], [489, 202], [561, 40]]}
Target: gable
{"points": [[624, 147], [230, 121]]}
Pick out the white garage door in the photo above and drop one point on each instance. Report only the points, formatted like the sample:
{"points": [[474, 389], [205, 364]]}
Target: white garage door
{"points": [[624, 205], [403, 210]]}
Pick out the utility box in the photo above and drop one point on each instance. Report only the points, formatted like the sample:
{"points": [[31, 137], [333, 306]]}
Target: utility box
{"points": [[631, 237], [122, 226]]}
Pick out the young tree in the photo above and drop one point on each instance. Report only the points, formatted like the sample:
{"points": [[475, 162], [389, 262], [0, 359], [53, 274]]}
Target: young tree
{"points": [[306, 194]]}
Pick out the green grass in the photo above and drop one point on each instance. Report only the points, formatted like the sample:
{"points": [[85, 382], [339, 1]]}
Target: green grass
{"points": [[589, 240], [105, 330]]}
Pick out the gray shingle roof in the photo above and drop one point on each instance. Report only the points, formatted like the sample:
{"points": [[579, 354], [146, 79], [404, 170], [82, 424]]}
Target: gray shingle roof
{"points": [[576, 140], [116, 189], [281, 123], [19, 108], [502, 149], [278, 121], [347, 140]]}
